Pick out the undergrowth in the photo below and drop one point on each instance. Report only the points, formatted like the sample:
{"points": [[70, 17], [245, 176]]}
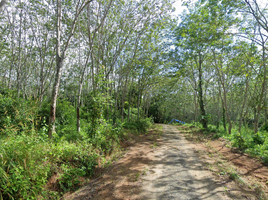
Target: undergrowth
{"points": [[29, 160], [255, 144]]}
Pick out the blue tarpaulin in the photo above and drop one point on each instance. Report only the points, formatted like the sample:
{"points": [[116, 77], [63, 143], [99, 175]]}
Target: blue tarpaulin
{"points": [[176, 121]]}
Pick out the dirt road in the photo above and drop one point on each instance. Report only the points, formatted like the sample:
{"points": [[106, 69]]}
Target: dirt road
{"points": [[178, 173], [162, 166]]}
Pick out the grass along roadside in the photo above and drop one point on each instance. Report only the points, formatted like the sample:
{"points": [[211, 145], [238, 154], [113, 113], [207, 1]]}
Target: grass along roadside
{"points": [[230, 165], [34, 167]]}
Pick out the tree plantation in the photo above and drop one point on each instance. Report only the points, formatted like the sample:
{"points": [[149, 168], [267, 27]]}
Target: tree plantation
{"points": [[78, 76]]}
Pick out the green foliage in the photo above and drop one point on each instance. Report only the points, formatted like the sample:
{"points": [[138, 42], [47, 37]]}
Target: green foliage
{"points": [[70, 178], [239, 141], [252, 143], [95, 105], [24, 166], [28, 161], [255, 144], [16, 116], [141, 125], [212, 128], [258, 138], [107, 136], [65, 115]]}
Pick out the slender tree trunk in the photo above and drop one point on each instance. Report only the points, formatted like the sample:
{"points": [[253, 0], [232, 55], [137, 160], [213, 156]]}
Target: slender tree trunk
{"points": [[145, 101], [116, 99], [148, 106], [195, 107], [123, 100], [78, 107], [263, 91], [200, 91], [224, 98], [138, 102], [59, 65], [60, 59], [19, 59], [79, 98], [138, 105], [13, 54], [130, 100], [80, 91], [219, 110], [223, 109], [243, 106], [226, 109], [55, 92], [265, 111]]}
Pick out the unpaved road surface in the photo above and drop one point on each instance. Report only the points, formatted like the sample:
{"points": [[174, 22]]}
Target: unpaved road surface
{"points": [[162, 167], [178, 172]]}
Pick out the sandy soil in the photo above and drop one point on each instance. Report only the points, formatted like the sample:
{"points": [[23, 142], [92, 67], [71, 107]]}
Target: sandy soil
{"points": [[171, 167]]}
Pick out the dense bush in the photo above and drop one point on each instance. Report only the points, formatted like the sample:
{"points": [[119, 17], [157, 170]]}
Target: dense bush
{"points": [[140, 125], [17, 115], [28, 161], [255, 144], [24, 166], [65, 115]]}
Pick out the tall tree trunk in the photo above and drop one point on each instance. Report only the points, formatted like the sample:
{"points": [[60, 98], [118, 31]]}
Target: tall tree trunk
{"points": [[80, 89], [138, 102], [223, 109], [243, 106], [148, 106], [226, 109], [19, 59], [60, 56], [219, 110], [79, 97], [263, 90], [195, 107], [224, 98], [123, 99], [59, 65], [200, 91], [130, 100], [78, 107], [138, 105]]}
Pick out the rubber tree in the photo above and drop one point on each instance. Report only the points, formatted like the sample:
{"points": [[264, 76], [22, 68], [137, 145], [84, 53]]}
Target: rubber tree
{"points": [[199, 29], [61, 51], [191, 43], [256, 29]]}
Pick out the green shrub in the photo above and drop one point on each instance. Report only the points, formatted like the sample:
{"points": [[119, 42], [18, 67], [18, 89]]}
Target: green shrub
{"points": [[242, 140], [17, 116], [24, 168], [212, 128], [141, 125], [7, 110], [69, 180], [107, 136], [28, 161], [65, 115], [258, 138]]}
